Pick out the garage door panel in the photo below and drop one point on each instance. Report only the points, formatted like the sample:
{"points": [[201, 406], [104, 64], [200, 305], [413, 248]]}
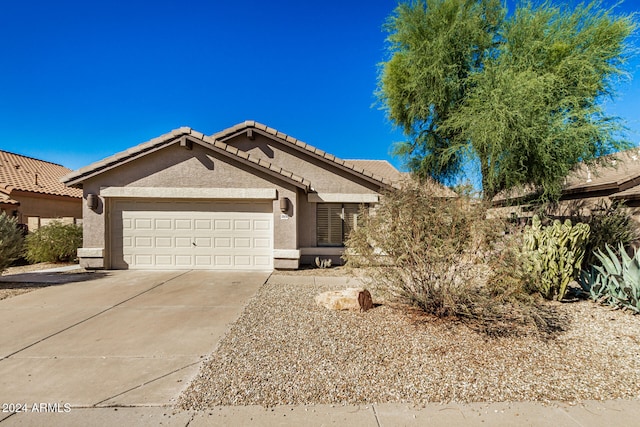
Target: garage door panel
{"points": [[163, 260], [222, 242], [183, 242], [202, 224], [242, 242], [163, 224], [259, 243], [183, 261], [192, 235], [221, 224], [262, 225], [203, 242], [164, 242], [183, 224], [242, 260], [223, 260], [242, 224]]}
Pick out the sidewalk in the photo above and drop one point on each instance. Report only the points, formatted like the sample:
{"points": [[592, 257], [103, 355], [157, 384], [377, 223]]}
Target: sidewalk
{"points": [[608, 413]]}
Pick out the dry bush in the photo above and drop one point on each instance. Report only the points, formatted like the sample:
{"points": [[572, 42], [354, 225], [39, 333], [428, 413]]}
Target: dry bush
{"points": [[443, 256], [422, 245]]}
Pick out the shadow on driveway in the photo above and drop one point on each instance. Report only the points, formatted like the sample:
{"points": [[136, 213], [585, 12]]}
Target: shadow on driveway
{"points": [[41, 280]]}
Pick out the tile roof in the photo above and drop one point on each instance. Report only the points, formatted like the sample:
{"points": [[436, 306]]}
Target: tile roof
{"points": [[300, 145], [380, 168], [6, 200], [31, 175], [618, 178], [623, 173], [75, 178]]}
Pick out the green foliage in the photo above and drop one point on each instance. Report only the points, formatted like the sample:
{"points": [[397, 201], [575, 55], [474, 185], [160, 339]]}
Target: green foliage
{"points": [[11, 241], [555, 254], [591, 282], [521, 95], [435, 46], [55, 242], [611, 224], [617, 281]]}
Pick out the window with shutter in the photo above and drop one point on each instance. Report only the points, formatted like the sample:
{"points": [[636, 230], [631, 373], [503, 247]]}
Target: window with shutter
{"points": [[334, 222]]}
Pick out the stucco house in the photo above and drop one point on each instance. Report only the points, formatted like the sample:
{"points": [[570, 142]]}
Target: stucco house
{"points": [[587, 187], [31, 191], [246, 198]]}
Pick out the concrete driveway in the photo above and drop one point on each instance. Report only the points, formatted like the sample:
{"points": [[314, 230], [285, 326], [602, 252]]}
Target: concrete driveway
{"points": [[126, 338]]}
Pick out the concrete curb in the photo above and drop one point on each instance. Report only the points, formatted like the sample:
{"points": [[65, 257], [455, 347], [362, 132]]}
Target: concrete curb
{"points": [[591, 413]]}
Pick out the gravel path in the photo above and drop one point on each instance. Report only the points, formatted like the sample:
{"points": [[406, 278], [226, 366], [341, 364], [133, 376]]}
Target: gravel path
{"points": [[286, 350]]}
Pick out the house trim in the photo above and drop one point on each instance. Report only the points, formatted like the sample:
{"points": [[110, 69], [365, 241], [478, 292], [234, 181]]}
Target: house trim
{"points": [[286, 253], [323, 251], [190, 193], [342, 198]]}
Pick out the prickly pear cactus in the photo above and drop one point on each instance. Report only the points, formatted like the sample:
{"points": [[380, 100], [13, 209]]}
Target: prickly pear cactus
{"points": [[555, 254]]}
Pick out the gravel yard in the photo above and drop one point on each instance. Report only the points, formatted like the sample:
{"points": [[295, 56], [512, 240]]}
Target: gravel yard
{"points": [[286, 350]]}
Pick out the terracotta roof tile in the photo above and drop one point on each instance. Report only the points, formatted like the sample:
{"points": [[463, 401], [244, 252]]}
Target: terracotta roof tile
{"points": [[6, 200], [32, 175], [380, 168], [197, 134]]}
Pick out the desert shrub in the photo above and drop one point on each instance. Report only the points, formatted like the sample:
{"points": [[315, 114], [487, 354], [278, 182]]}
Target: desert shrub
{"points": [[422, 247], [508, 278], [555, 254], [509, 302], [611, 225], [11, 241], [55, 242]]}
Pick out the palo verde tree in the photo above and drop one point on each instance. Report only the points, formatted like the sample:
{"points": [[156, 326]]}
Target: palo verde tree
{"points": [[520, 94]]}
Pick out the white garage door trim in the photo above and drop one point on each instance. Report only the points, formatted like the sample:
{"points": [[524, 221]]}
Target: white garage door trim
{"points": [[189, 193], [187, 235]]}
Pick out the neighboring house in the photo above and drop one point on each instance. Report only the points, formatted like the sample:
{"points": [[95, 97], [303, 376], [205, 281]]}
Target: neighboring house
{"points": [[619, 181], [586, 187], [246, 198], [31, 191]]}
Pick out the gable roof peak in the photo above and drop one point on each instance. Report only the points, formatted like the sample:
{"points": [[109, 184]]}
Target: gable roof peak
{"points": [[232, 131]]}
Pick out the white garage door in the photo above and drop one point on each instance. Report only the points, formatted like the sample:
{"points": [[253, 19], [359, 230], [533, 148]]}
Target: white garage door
{"points": [[192, 235]]}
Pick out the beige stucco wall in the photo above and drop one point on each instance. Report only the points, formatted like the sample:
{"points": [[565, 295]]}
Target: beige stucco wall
{"points": [[324, 177], [177, 167], [45, 207]]}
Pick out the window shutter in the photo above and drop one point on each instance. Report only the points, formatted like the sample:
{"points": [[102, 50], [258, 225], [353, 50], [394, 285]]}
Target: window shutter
{"points": [[322, 224], [335, 225], [329, 224], [350, 218]]}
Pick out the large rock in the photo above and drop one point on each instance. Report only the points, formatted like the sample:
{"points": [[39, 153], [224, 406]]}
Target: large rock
{"points": [[346, 299]]}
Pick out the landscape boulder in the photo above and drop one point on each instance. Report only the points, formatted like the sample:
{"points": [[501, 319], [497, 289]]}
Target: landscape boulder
{"points": [[345, 299]]}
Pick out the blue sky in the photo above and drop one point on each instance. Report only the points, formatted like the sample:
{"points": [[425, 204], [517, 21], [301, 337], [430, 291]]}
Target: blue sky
{"points": [[81, 80]]}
